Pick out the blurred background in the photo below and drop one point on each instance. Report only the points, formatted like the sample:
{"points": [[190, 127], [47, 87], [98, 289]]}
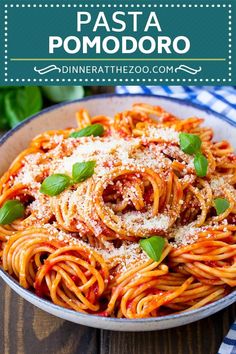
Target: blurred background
{"points": [[19, 103]]}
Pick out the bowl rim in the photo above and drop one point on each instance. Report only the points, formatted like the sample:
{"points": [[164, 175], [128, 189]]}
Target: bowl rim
{"points": [[81, 315], [37, 299]]}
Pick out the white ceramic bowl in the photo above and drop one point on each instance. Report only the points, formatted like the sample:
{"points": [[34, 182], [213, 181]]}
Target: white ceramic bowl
{"points": [[62, 116]]}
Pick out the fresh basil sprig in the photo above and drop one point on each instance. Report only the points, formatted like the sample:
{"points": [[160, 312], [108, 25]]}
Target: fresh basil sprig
{"points": [[221, 205], [190, 143], [153, 246], [22, 103], [18, 103], [201, 165], [10, 211], [90, 130], [82, 170], [57, 183]]}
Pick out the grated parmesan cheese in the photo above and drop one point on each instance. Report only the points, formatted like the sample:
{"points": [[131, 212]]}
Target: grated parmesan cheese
{"points": [[184, 235], [166, 134], [145, 223]]}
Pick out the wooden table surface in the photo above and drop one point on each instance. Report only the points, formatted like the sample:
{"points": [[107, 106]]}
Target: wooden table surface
{"points": [[24, 329]]}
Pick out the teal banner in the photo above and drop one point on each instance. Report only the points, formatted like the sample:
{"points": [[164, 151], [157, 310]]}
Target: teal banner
{"points": [[118, 42]]}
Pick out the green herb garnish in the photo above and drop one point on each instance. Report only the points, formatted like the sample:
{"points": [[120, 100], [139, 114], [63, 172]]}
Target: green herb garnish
{"points": [[57, 183], [10, 211], [82, 170], [221, 205], [201, 165], [95, 130], [190, 143], [153, 246]]}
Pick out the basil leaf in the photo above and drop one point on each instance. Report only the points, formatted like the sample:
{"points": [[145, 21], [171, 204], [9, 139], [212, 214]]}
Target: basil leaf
{"points": [[190, 143], [221, 205], [201, 165], [63, 93], [153, 246], [10, 211], [94, 129], [55, 184], [82, 170], [22, 103]]}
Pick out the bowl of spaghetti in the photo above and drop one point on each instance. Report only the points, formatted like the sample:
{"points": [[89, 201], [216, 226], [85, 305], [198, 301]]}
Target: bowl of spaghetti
{"points": [[119, 212]]}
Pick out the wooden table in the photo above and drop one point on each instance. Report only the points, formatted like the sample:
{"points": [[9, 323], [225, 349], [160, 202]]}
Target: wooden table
{"points": [[24, 329]]}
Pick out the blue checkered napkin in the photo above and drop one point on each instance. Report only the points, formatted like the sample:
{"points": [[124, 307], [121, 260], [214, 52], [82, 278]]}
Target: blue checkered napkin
{"points": [[221, 99], [228, 345]]}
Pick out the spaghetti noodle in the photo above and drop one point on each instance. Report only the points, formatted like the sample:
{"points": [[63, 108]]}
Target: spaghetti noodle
{"points": [[80, 247]]}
